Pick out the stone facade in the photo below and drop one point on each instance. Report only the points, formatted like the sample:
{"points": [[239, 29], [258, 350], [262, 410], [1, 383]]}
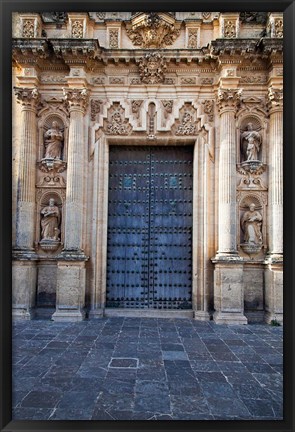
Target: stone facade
{"points": [[86, 81]]}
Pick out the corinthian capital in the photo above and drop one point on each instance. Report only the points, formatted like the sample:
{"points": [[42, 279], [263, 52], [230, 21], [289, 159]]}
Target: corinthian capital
{"points": [[228, 99], [27, 97], [275, 98], [76, 98]]}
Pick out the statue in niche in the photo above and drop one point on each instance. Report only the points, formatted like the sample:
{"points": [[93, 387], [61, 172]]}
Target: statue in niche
{"points": [[251, 222], [50, 221], [53, 142], [250, 143]]}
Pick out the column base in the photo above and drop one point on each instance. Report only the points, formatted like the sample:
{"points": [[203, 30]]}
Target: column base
{"points": [[96, 313], [270, 316], [202, 316], [22, 314], [229, 318], [68, 315]]}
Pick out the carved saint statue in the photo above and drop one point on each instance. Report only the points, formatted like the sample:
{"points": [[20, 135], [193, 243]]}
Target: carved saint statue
{"points": [[251, 223], [250, 143], [50, 221], [53, 141]]}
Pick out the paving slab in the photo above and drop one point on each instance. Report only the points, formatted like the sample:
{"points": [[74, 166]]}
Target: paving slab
{"points": [[133, 368]]}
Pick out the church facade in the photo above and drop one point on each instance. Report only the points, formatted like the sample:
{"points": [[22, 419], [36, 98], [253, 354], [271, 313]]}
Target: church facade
{"points": [[147, 165]]}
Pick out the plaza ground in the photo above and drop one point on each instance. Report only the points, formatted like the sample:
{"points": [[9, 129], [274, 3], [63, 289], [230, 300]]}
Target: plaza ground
{"points": [[146, 369]]}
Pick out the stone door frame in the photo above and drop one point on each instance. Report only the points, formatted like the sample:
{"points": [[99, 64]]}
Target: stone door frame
{"points": [[202, 270]]}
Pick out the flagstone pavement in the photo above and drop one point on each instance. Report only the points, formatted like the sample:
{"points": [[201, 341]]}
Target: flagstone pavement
{"points": [[146, 369]]}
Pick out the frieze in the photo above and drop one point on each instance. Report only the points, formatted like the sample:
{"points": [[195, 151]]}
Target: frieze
{"points": [[207, 81], [188, 81], [98, 80], [253, 79], [169, 81], [152, 67], [53, 79], [135, 81], [116, 80]]}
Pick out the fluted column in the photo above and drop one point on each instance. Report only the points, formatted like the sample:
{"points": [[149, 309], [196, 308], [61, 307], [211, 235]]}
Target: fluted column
{"points": [[77, 100], [274, 260], [227, 231], [25, 219], [228, 266], [276, 171], [71, 272]]}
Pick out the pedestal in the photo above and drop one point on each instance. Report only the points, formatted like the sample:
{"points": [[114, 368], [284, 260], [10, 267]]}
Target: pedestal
{"points": [[273, 291], [24, 284]]}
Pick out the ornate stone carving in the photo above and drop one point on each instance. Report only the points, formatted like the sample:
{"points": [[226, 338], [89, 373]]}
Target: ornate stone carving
{"points": [[114, 38], [53, 79], [95, 108], [51, 181], [116, 123], [209, 109], [207, 81], [76, 98], [250, 143], [53, 142], [275, 97], [187, 126], [228, 98], [230, 30], [77, 29], [136, 104], [152, 67], [98, 80], [135, 81], [253, 17], [278, 28], [50, 226], [251, 167], [169, 81], [101, 15], [152, 30], [116, 80], [251, 222], [27, 97], [188, 81], [193, 38], [28, 28], [253, 79], [206, 15], [54, 17], [168, 106]]}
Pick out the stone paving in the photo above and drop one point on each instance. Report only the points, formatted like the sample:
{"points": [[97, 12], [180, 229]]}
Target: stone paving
{"points": [[146, 369]]}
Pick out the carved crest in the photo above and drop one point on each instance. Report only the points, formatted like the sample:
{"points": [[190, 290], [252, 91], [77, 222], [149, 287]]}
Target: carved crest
{"points": [[151, 68], [153, 30]]}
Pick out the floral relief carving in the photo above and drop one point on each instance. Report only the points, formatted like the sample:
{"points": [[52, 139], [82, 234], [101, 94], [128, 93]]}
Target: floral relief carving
{"points": [[98, 80], [230, 29], [188, 81], [116, 80], [252, 79], [207, 81], [152, 67], [114, 38], [187, 124], [278, 28], [168, 107], [209, 109], [28, 28], [95, 108], [135, 81], [152, 30], [193, 37], [77, 29], [117, 124]]}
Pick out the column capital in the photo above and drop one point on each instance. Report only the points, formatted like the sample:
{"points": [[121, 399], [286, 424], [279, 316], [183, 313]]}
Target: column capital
{"points": [[228, 99], [27, 97], [275, 99], [77, 99]]}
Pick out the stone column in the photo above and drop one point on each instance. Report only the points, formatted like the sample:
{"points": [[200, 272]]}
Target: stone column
{"points": [[71, 262], [274, 259], [24, 265], [228, 272]]}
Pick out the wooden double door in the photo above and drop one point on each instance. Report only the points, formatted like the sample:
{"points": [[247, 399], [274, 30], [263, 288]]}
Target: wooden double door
{"points": [[149, 252]]}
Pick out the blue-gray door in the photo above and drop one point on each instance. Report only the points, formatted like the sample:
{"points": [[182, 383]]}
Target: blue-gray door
{"points": [[149, 257]]}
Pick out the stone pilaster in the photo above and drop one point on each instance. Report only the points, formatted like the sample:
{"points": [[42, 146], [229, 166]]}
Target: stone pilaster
{"points": [[71, 266], [274, 259], [24, 265], [228, 271]]}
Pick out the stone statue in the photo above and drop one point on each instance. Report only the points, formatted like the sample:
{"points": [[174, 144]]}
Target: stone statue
{"points": [[50, 221], [53, 141], [251, 223], [250, 143]]}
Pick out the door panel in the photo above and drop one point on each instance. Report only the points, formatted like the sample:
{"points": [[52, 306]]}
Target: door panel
{"points": [[150, 227]]}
